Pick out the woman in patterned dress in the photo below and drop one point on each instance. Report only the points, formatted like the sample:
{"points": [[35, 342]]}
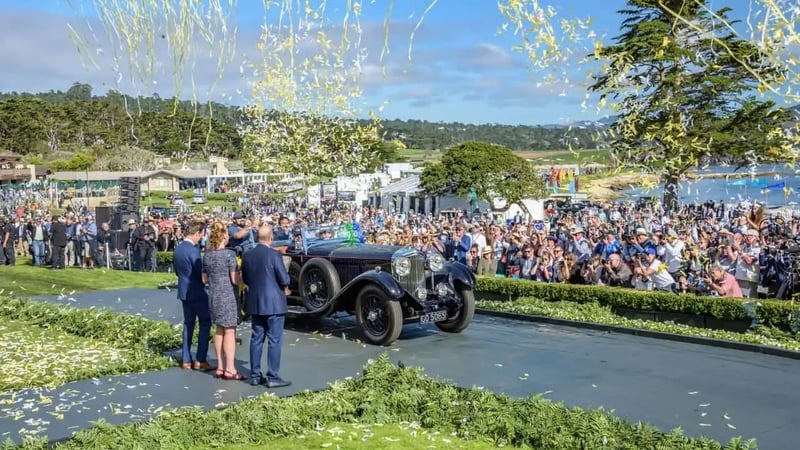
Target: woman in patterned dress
{"points": [[221, 273]]}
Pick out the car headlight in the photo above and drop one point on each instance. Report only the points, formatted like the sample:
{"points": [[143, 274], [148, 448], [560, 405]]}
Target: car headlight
{"points": [[402, 266], [436, 261]]}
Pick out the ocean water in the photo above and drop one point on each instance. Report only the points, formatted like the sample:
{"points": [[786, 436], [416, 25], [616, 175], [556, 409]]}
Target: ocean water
{"points": [[748, 188]]}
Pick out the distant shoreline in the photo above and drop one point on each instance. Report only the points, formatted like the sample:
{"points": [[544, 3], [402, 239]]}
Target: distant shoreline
{"points": [[608, 187]]}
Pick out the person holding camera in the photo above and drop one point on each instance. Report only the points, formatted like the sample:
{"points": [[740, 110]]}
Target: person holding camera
{"points": [[144, 243], [614, 272], [723, 283], [652, 273]]}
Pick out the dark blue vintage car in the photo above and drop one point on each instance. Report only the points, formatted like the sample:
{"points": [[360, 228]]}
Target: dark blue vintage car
{"points": [[383, 286]]}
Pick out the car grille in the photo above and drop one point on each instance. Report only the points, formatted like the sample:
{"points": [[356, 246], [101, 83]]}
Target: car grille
{"points": [[416, 276]]}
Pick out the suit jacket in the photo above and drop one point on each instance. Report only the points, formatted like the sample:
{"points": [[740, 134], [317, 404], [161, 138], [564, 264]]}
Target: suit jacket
{"points": [[189, 267], [58, 232], [265, 275]]}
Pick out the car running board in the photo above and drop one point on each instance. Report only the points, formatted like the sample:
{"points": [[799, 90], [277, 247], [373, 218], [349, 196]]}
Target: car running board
{"points": [[297, 312]]}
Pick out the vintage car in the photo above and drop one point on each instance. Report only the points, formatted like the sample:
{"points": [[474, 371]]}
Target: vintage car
{"points": [[383, 286]]}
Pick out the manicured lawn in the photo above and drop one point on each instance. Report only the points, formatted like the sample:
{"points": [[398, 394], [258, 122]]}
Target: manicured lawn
{"points": [[25, 280], [31, 355], [368, 437]]}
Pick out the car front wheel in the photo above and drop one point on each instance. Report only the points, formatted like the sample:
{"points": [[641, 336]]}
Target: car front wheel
{"points": [[459, 318], [380, 319]]}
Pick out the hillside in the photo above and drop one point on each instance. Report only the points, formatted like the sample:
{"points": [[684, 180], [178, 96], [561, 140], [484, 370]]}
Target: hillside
{"points": [[65, 121]]}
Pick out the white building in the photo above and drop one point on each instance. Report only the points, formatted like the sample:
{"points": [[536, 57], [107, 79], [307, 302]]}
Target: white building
{"points": [[397, 171], [405, 195]]}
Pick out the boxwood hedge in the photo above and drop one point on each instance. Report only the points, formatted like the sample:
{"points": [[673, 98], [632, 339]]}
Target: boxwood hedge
{"points": [[776, 313]]}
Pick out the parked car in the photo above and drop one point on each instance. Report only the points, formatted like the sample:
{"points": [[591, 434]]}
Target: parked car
{"points": [[383, 286], [177, 200], [198, 199]]}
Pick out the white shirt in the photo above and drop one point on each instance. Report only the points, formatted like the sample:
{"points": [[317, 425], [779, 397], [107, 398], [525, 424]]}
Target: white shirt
{"points": [[744, 271], [673, 255], [480, 240]]}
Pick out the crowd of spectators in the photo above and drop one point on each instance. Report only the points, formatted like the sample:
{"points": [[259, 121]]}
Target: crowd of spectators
{"points": [[713, 248]]}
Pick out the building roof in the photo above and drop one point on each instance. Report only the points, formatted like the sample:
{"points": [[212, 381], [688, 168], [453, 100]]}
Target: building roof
{"points": [[104, 175], [408, 185]]}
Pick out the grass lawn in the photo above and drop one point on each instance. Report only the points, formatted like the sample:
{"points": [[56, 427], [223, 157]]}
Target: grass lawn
{"points": [[25, 280], [367, 437], [577, 157], [31, 355]]}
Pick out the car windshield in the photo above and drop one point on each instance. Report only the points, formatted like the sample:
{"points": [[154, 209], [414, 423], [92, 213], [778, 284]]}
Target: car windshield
{"points": [[326, 233]]}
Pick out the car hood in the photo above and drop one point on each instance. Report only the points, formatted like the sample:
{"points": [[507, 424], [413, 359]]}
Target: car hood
{"points": [[358, 251]]}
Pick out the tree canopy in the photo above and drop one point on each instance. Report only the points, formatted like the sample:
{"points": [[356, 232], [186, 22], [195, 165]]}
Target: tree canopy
{"points": [[493, 171], [680, 100]]}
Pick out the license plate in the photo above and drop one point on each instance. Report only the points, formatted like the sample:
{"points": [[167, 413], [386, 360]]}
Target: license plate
{"points": [[436, 316], [762, 290]]}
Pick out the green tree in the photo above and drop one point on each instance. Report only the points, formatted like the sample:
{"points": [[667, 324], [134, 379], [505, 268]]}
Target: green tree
{"points": [[309, 144], [494, 171], [681, 101]]}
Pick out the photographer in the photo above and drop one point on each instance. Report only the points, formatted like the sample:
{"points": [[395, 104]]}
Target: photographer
{"points": [[651, 273], [615, 273], [144, 244], [723, 283]]}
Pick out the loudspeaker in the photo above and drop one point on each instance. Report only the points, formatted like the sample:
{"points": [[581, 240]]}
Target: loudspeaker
{"points": [[102, 214], [130, 194]]}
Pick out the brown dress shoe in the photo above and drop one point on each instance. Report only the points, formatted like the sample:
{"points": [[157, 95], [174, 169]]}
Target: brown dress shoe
{"points": [[202, 366], [186, 366]]}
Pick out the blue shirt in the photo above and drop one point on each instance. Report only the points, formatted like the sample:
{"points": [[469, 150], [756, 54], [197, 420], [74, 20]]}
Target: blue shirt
{"points": [[91, 228]]}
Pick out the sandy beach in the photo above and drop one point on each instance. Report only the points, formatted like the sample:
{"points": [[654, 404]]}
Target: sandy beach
{"points": [[608, 187]]}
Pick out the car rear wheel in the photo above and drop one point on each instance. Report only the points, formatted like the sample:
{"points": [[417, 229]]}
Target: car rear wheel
{"points": [[459, 318], [318, 282], [380, 318]]}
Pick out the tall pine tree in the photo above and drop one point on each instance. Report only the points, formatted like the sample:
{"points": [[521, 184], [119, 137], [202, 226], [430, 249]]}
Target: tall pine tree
{"points": [[686, 90]]}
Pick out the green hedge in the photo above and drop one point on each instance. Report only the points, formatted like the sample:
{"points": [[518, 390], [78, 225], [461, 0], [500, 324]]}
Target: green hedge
{"points": [[125, 330], [164, 258], [387, 394], [770, 312]]}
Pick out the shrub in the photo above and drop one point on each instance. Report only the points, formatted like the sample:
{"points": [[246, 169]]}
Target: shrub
{"points": [[388, 394], [164, 258], [124, 330], [770, 312]]}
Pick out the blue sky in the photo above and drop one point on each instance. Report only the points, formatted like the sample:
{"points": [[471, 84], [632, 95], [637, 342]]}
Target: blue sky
{"points": [[460, 70]]}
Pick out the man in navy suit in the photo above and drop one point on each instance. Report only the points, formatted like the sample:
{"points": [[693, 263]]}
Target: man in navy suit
{"points": [[267, 281], [193, 297]]}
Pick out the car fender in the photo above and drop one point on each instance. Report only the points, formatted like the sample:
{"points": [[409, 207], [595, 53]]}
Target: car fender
{"points": [[459, 275], [384, 280]]}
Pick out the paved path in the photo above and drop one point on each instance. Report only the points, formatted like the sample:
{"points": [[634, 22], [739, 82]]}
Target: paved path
{"points": [[668, 384]]}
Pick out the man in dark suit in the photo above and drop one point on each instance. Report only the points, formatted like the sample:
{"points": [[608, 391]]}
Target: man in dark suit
{"points": [[192, 294], [58, 234], [267, 281]]}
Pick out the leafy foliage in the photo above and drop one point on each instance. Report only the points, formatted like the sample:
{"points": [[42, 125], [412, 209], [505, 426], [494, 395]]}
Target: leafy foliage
{"points": [[593, 312], [141, 341], [388, 394], [130, 331], [42, 124], [491, 170], [680, 100], [422, 134], [775, 313], [309, 144]]}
